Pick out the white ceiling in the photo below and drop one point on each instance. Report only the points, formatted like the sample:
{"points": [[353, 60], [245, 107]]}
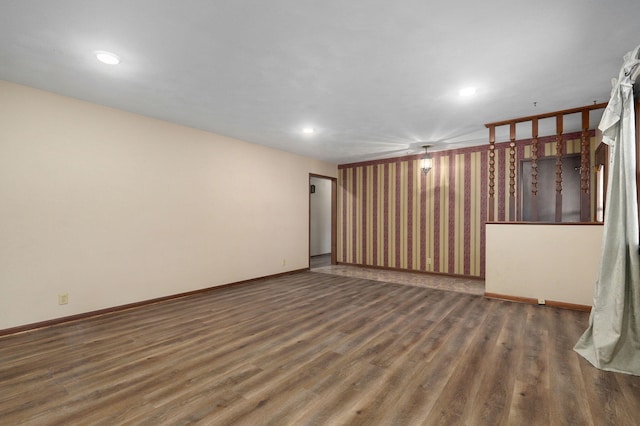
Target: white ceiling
{"points": [[373, 77]]}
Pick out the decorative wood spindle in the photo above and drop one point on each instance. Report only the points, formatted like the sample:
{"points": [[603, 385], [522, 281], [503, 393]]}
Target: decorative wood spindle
{"points": [[512, 172], [535, 151], [559, 150], [534, 169], [492, 170], [585, 170]]}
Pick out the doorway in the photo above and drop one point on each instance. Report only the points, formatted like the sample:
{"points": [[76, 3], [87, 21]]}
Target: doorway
{"points": [[322, 220]]}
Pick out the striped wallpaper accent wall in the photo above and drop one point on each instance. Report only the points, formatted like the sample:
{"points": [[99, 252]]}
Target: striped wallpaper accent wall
{"points": [[392, 215]]}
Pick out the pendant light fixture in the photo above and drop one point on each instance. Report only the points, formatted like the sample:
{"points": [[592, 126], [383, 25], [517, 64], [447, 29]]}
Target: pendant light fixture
{"points": [[426, 163]]}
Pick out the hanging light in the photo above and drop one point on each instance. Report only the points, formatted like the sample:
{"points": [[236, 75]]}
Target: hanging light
{"points": [[426, 163]]}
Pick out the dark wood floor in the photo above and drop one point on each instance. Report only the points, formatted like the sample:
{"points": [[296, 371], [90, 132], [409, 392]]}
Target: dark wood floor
{"points": [[311, 349]]}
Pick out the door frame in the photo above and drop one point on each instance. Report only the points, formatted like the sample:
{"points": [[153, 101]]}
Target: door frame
{"points": [[334, 216]]}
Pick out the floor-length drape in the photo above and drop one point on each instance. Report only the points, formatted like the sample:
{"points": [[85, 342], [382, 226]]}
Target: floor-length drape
{"points": [[612, 341]]}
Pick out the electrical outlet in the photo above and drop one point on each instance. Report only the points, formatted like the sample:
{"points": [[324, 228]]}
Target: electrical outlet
{"points": [[428, 261], [541, 301], [284, 262], [63, 298]]}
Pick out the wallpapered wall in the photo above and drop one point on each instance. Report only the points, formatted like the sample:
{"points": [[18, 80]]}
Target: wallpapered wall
{"points": [[392, 215]]}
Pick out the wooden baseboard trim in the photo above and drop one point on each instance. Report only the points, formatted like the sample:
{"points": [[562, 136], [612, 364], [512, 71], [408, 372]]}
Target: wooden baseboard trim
{"points": [[532, 301], [85, 315], [413, 271], [511, 298], [572, 306]]}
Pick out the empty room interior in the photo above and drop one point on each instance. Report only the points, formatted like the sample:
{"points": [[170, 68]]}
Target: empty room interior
{"points": [[319, 213]]}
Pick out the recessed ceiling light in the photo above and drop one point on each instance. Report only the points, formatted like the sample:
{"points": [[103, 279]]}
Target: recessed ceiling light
{"points": [[107, 57], [308, 130], [467, 91]]}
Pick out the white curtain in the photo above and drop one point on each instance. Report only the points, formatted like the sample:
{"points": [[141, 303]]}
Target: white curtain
{"points": [[612, 341]]}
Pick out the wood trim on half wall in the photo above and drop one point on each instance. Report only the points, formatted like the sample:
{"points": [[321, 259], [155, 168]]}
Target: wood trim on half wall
{"points": [[532, 301]]}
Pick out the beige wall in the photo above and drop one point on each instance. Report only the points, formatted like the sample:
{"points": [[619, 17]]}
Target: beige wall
{"points": [[113, 208], [552, 262]]}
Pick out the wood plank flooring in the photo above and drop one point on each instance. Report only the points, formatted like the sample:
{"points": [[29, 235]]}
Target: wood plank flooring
{"points": [[314, 349]]}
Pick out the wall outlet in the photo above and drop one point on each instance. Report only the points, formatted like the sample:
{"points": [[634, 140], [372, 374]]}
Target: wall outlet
{"points": [[541, 301], [63, 298], [284, 262], [428, 261]]}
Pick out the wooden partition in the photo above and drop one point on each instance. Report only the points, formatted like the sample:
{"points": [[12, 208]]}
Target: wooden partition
{"points": [[585, 170]]}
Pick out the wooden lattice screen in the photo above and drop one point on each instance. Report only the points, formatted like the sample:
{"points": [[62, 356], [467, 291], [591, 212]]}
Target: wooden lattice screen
{"points": [[585, 198]]}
